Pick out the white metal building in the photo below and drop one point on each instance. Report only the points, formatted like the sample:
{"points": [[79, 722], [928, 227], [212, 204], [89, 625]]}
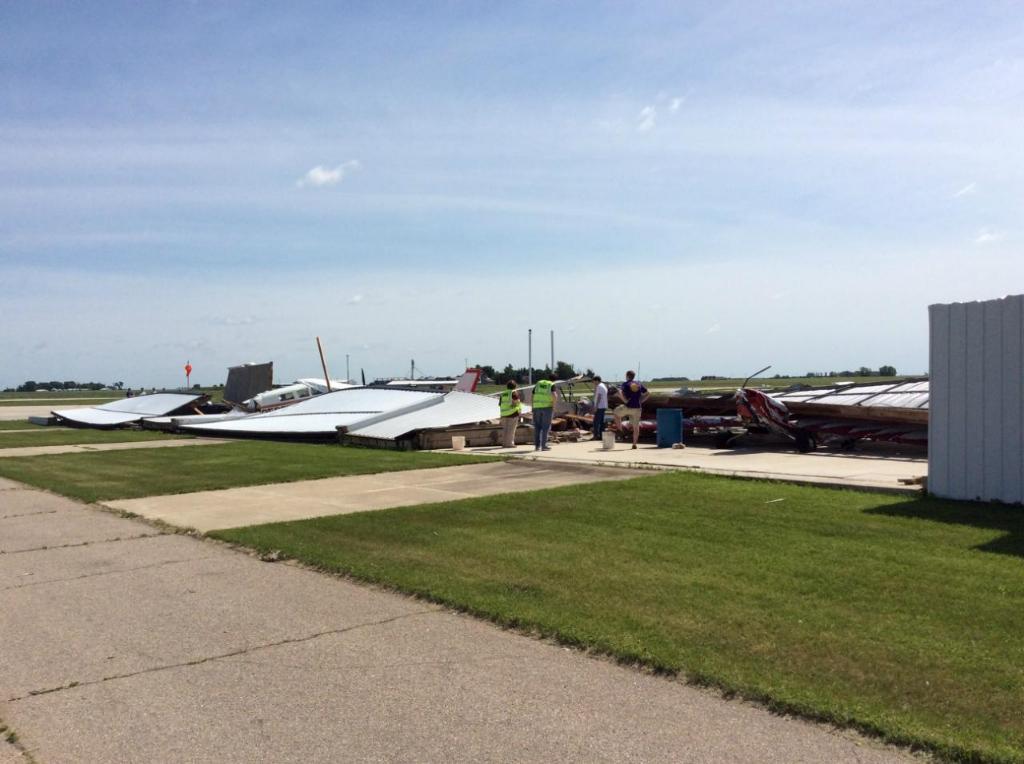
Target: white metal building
{"points": [[976, 416]]}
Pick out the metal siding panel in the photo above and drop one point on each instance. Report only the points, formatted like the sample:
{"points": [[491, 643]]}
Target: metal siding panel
{"points": [[974, 402], [1013, 400], [353, 399], [938, 411], [456, 408], [992, 399], [127, 410], [957, 394]]}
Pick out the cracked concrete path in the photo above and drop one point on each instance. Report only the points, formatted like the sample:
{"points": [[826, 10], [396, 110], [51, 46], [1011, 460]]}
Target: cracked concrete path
{"points": [[278, 502], [162, 647], [85, 448]]}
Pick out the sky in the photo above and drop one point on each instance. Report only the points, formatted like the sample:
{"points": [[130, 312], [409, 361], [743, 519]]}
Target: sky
{"points": [[685, 187]]}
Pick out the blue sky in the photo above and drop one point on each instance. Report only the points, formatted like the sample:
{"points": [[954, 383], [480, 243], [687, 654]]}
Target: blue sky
{"points": [[697, 188]]}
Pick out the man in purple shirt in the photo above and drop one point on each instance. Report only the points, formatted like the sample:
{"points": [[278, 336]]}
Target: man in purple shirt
{"points": [[632, 394]]}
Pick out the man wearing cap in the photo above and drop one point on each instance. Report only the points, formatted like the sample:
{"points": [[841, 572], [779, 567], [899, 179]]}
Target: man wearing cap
{"points": [[632, 394], [510, 410]]}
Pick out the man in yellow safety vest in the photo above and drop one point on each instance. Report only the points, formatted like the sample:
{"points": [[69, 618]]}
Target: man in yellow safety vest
{"points": [[511, 408], [543, 412]]}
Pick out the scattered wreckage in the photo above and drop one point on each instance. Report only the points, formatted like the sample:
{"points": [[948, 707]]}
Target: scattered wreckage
{"points": [[407, 414], [839, 415]]}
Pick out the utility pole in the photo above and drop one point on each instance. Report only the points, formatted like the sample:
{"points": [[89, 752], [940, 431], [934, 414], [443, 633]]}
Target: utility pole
{"points": [[529, 356], [412, 369], [552, 351], [348, 374]]}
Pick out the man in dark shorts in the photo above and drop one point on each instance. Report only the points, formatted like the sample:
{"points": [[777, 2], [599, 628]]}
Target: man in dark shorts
{"points": [[632, 394]]}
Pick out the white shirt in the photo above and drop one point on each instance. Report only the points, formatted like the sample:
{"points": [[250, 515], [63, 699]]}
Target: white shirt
{"points": [[601, 396]]}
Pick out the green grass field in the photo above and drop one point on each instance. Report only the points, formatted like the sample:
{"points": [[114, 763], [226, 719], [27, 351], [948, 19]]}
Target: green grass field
{"points": [[72, 398], [57, 403], [26, 399], [151, 472], [44, 436], [23, 424], [901, 617]]}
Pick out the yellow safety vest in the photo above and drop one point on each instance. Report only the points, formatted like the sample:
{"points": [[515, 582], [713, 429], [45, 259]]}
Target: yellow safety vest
{"points": [[542, 397], [508, 406]]}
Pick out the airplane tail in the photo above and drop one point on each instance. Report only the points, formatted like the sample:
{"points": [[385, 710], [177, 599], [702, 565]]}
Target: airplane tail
{"points": [[757, 408], [468, 381]]}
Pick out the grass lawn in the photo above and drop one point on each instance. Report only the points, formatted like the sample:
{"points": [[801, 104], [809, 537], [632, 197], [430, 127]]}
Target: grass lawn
{"points": [[151, 472], [902, 617], [25, 399], [23, 424], [45, 436], [55, 403], [74, 398]]}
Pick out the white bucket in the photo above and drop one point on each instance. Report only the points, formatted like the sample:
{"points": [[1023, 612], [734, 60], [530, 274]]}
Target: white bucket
{"points": [[458, 442], [608, 441]]}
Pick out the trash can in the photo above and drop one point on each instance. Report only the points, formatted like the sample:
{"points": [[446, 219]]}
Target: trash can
{"points": [[670, 427]]}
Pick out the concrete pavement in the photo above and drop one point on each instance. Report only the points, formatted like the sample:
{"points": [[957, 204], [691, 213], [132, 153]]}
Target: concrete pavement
{"points": [[12, 413], [252, 505], [122, 643], [874, 469]]}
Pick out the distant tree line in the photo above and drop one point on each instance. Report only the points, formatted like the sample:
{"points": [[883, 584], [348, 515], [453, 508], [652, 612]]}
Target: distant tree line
{"points": [[562, 370], [863, 371], [32, 386]]}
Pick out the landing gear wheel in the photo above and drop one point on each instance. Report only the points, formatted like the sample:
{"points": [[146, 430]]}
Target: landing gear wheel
{"points": [[806, 442]]}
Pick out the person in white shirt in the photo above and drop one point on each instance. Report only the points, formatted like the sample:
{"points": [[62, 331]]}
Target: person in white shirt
{"points": [[600, 406]]}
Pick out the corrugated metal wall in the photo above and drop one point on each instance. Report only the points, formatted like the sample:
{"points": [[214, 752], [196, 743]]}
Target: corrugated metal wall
{"points": [[976, 414]]}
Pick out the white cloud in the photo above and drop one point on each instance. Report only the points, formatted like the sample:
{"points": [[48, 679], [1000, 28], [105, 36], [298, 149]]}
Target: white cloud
{"points": [[355, 299], [321, 177], [646, 118], [716, 327], [675, 103], [989, 236], [967, 190]]}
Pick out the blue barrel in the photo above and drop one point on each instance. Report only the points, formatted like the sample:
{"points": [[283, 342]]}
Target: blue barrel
{"points": [[670, 427]]}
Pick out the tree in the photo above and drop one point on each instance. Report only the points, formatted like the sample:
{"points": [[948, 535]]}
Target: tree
{"points": [[887, 371], [564, 370], [29, 387]]}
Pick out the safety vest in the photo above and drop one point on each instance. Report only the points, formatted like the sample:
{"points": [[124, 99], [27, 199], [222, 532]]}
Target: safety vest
{"points": [[508, 406], [542, 397]]}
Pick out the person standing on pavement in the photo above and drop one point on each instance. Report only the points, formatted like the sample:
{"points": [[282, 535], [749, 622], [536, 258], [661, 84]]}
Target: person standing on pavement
{"points": [[600, 406], [511, 407], [543, 412], [633, 395]]}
